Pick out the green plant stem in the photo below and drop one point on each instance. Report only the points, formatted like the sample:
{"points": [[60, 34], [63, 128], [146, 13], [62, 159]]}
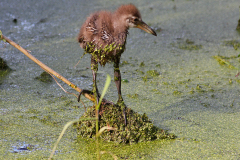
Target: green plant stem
{"points": [[97, 127]]}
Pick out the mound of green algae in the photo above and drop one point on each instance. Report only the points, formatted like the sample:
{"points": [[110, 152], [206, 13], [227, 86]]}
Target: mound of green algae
{"points": [[139, 127]]}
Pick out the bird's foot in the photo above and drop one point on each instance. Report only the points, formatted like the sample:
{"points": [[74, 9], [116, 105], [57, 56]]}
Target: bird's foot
{"points": [[123, 107], [91, 93], [82, 92]]}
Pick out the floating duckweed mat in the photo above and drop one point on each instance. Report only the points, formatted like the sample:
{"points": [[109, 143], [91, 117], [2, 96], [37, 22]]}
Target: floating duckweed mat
{"points": [[139, 127]]}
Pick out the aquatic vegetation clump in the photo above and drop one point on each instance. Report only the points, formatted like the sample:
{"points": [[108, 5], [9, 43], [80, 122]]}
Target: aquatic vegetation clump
{"points": [[222, 60], [139, 127], [44, 77], [4, 69], [187, 45], [3, 65], [238, 26], [233, 43], [150, 74], [153, 73]]}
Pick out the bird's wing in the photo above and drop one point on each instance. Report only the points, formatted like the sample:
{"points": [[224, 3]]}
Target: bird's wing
{"points": [[88, 30], [91, 26], [97, 30]]}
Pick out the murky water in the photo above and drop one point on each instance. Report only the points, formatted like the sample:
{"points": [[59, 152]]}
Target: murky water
{"points": [[194, 96]]}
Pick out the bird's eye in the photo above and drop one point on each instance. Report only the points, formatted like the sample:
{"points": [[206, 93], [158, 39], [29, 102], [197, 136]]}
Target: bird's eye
{"points": [[135, 19]]}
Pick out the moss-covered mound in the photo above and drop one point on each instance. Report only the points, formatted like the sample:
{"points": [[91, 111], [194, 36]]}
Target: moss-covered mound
{"points": [[139, 128]]}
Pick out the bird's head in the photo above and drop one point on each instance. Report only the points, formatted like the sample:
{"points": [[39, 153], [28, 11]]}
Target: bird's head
{"points": [[131, 18]]}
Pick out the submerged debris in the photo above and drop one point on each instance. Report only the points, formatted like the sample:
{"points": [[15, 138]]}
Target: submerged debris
{"points": [[139, 127]]}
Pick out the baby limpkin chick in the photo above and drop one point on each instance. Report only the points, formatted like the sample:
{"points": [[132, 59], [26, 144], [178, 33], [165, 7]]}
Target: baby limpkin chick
{"points": [[103, 35]]}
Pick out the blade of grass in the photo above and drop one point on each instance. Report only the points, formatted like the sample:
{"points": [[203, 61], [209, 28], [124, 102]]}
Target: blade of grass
{"points": [[104, 128], [107, 83]]}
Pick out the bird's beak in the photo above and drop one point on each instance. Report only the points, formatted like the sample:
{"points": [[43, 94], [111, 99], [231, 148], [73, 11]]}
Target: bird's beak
{"points": [[142, 25]]}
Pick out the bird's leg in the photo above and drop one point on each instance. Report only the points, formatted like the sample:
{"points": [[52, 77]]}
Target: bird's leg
{"points": [[95, 89], [117, 79], [94, 68]]}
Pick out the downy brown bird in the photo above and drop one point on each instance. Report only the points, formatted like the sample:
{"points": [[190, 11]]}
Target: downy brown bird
{"points": [[103, 35]]}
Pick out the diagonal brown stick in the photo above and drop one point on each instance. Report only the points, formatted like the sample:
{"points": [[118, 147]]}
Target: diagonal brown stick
{"points": [[44, 67]]}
